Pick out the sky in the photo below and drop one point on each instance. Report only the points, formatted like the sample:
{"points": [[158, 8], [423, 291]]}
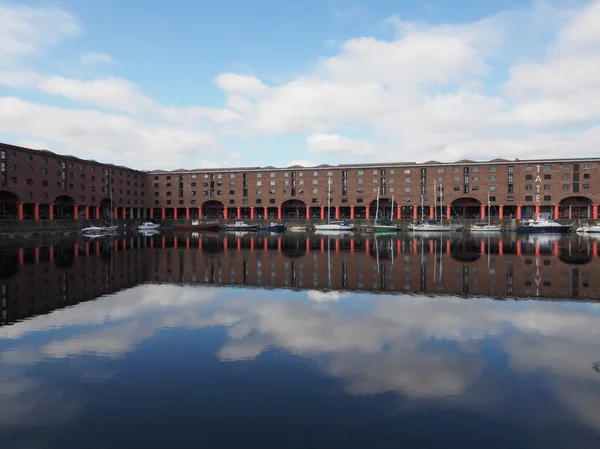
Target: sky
{"points": [[197, 84]]}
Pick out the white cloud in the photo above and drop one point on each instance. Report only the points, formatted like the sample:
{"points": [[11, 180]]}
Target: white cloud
{"points": [[341, 146], [96, 58], [348, 14]]}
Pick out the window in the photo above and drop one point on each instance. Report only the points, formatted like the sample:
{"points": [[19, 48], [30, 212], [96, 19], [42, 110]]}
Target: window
{"points": [[587, 166], [528, 168], [440, 170], [474, 169], [547, 176], [45, 183], [457, 188], [231, 176], [406, 189], [528, 198], [510, 198], [30, 181], [44, 171], [586, 187], [259, 175], [492, 199], [547, 167], [375, 172], [492, 178], [315, 181], [566, 176], [511, 169], [259, 183], [476, 178], [547, 187], [259, 192], [272, 183], [390, 180], [528, 187], [359, 200], [29, 157], [406, 179], [586, 176], [315, 190], [375, 181], [457, 178], [528, 177], [492, 168], [315, 173], [492, 188], [272, 192], [407, 171], [547, 198]]}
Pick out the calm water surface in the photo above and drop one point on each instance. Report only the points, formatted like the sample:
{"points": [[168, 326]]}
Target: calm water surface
{"points": [[301, 341]]}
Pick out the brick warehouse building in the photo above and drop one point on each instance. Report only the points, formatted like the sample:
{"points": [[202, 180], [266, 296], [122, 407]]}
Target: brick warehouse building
{"points": [[43, 185]]}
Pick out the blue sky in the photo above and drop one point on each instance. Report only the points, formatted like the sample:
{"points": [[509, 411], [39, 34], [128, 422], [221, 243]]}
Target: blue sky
{"points": [[193, 84]]}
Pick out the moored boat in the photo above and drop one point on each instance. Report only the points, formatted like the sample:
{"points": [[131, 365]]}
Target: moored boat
{"points": [[544, 225], [298, 228], [430, 226], [339, 226], [148, 226], [485, 227], [591, 229], [241, 226], [273, 227], [379, 228], [197, 225]]}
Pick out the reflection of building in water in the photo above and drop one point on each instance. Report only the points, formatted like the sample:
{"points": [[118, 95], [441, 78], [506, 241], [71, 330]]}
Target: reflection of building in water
{"points": [[37, 280]]}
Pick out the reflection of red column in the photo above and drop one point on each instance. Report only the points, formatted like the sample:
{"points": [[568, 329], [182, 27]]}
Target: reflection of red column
{"points": [[239, 244], [415, 212], [36, 255], [595, 248], [556, 248], [448, 211], [595, 211], [518, 247], [252, 243], [251, 212], [398, 246], [431, 247], [115, 213], [239, 213], [322, 245], [116, 245], [19, 211], [51, 252], [279, 244], [76, 250], [151, 213], [97, 212], [51, 211], [500, 212], [537, 248], [501, 247], [97, 247], [431, 212], [415, 249], [482, 211], [175, 242], [307, 245], [537, 210], [87, 212], [187, 242], [76, 212], [200, 243], [151, 242], [519, 214], [483, 247], [448, 249], [265, 244], [163, 242], [279, 213], [322, 213], [351, 245], [337, 212], [367, 212], [124, 213], [367, 245], [21, 253], [337, 246], [36, 211], [226, 242]]}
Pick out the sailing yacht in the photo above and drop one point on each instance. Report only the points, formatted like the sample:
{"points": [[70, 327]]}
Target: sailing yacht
{"points": [[486, 227], [335, 226], [433, 225], [381, 227]]}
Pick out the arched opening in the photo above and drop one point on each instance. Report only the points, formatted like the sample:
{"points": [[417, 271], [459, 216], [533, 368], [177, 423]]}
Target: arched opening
{"points": [[466, 207], [385, 209], [106, 209], [64, 207], [575, 207], [293, 209], [8, 204], [212, 209]]}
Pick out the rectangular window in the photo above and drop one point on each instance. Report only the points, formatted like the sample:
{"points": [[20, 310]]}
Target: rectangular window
{"points": [[587, 166], [492, 178], [474, 169], [586, 187], [315, 181], [548, 176], [528, 187], [547, 167], [407, 171], [528, 198], [547, 187], [492, 188], [440, 170], [547, 198], [492, 168], [510, 198], [259, 183]]}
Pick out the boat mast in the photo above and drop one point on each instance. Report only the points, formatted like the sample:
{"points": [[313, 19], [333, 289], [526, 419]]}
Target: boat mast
{"points": [[377, 207], [328, 199], [489, 210], [392, 207], [422, 206], [434, 201], [441, 204]]}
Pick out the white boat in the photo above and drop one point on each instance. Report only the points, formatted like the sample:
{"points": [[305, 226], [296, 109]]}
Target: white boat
{"points": [[298, 228], [241, 226], [92, 230], [544, 224], [432, 225], [591, 229], [339, 226], [486, 227], [148, 226]]}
